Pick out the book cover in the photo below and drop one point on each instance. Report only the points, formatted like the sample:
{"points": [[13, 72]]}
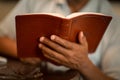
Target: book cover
{"points": [[30, 27]]}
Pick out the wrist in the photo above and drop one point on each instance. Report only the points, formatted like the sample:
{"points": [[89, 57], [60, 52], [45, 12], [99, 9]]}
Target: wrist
{"points": [[90, 72]]}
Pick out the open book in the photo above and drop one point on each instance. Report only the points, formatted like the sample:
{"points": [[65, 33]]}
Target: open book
{"points": [[30, 27]]}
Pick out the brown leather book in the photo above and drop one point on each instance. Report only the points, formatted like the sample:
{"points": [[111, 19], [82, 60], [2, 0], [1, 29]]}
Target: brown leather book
{"points": [[30, 27]]}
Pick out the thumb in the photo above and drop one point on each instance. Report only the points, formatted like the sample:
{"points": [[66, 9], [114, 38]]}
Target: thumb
{"points": [[82, 39]]}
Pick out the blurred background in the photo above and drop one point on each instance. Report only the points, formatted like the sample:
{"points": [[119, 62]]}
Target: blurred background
{"points": [[7, 5]]}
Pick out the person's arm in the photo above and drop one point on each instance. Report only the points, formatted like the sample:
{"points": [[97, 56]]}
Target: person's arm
{"points": [[8, 47], [72, 55]]}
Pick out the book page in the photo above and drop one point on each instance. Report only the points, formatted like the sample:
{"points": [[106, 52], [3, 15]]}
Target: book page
{"points": [[81, 13], [51, 14]]}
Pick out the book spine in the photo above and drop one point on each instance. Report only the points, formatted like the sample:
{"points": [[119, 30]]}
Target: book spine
{"points": [[65, 28]]}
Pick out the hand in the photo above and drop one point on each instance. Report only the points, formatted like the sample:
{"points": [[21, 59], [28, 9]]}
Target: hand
{"points": [[33, 61], [64, 52], [72, 55]]}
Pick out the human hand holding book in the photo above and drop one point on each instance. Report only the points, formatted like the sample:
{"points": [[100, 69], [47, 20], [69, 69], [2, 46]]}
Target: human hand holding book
{"points": [[65, 52]]}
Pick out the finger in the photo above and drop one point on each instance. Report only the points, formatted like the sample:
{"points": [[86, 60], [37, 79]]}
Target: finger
{"points": [[53, 55], [62, 42], [82, 39], [31, 60], [54, 46]]}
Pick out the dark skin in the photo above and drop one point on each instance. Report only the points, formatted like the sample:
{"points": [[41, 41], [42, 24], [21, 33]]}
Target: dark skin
{"points": [[63, 51], [72, 55]]}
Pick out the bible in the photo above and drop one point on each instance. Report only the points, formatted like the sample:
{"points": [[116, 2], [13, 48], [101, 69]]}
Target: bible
{"points": [[30, 27]]}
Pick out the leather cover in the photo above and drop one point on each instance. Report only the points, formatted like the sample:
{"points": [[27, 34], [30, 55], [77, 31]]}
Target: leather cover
{"points": [[29, 28]]}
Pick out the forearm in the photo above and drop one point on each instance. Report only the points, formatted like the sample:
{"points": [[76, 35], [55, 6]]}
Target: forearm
{"points": [[90, 72], [8, 47]]}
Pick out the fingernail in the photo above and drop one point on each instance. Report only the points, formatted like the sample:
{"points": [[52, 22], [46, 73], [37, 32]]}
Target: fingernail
{"points": [[40, 45], [82, 35], [42, 38], [52, 37]]}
